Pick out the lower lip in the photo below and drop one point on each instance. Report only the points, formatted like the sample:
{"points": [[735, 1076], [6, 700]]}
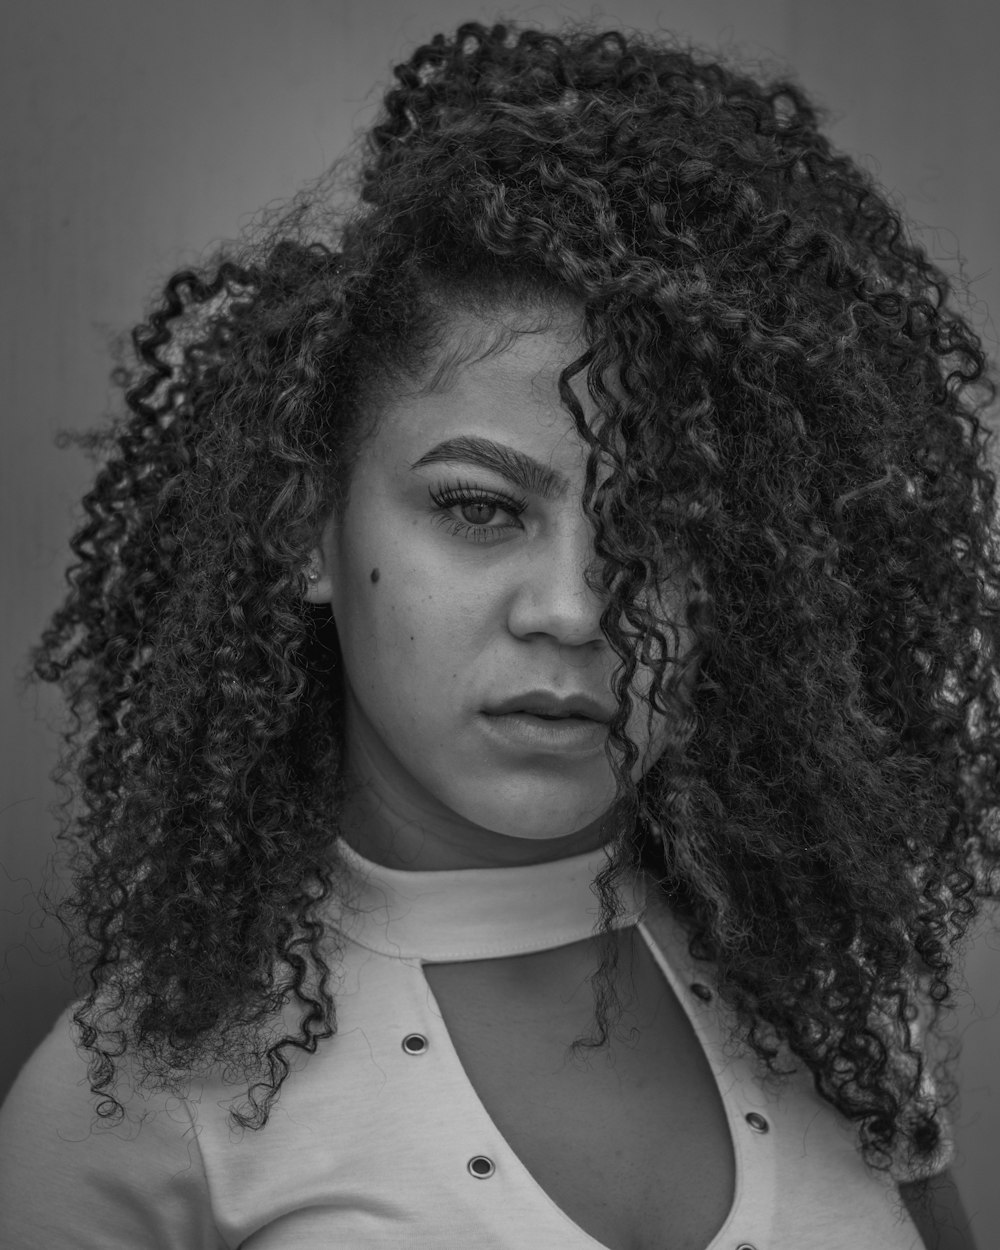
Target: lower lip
{"points": [[569, 735]]}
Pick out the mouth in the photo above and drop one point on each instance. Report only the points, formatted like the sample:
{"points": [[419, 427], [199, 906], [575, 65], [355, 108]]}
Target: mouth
{"points": [[546, 706], [548, 723]]}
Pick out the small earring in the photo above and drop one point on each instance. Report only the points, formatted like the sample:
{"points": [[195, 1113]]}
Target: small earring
{"points": [[314, 577]]}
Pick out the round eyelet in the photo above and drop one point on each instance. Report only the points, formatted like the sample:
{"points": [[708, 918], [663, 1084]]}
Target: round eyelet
{"points": [[414, 1043], [481, 1167], [745, 1245], [702, 992], [757, 1122]]}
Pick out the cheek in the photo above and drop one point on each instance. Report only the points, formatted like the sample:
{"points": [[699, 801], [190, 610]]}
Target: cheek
{"points": [[652, 732], [406, 646], [650, 735]]}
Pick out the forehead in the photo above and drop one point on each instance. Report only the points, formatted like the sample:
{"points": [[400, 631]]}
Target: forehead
{"points": [[506, 388]]}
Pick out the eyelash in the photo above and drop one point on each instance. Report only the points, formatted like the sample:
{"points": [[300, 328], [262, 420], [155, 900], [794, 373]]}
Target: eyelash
{"points": [[463, 495]]}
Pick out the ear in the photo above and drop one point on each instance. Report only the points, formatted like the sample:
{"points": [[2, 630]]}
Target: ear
{"points": [[319, 584], [317, 570]]}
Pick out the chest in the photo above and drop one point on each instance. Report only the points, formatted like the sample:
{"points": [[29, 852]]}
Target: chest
{"points": [[631, 1140]]}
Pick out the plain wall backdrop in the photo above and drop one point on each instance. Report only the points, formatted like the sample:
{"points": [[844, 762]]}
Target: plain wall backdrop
{"points": [[135, 133]]}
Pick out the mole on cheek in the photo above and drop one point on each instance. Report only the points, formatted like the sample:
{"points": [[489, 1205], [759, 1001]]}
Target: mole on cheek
{"points": [[375, 576]]}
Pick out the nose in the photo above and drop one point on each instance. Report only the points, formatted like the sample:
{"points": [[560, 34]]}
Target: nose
{"points": [[551, 597]]}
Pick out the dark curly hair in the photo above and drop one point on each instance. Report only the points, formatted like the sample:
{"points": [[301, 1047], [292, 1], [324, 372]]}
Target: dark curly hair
{"points": [[799, 423]]}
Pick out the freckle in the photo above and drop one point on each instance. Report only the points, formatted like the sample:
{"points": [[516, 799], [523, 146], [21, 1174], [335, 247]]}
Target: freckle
{"points": [[375, 576]]}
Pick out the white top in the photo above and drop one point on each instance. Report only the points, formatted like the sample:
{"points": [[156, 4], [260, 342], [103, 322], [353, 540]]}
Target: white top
{"points": [[373, 1143]]}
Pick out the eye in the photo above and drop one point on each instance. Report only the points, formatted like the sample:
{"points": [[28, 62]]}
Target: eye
{"points": [[475, 513], [478, 513]]}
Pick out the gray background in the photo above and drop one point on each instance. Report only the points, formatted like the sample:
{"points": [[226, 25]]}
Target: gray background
{"points": [[135, 133]]}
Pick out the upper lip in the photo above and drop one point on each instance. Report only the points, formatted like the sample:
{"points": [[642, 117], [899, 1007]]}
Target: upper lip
{"points": [[545, 703]]}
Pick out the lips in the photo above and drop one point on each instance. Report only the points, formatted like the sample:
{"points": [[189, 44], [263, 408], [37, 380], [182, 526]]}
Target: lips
{"points": [[539, 723], [551, 706]]}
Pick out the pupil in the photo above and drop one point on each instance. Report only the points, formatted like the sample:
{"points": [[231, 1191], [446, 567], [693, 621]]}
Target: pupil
{"points": [[479, 513]]}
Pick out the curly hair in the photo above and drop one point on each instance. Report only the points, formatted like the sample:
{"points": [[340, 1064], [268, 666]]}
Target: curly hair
{"points": [[799, 420]]}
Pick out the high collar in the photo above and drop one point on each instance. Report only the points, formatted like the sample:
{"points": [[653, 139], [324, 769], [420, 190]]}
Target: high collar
{"points": [[478, 913]]}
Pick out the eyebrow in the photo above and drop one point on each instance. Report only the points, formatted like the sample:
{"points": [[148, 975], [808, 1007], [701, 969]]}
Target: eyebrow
{"points": [[517, 467]]}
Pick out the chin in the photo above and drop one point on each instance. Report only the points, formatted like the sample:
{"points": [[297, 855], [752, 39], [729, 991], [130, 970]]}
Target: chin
{"points": [[540, 821]]}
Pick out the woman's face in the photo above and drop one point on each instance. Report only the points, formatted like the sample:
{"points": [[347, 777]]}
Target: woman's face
{"points": [[478, 682]]}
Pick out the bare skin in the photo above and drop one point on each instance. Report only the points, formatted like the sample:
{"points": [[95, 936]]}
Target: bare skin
{"points": [[627, 1141]]}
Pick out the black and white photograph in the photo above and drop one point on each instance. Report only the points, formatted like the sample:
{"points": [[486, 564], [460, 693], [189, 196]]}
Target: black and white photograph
{"points": [[501, 630]]}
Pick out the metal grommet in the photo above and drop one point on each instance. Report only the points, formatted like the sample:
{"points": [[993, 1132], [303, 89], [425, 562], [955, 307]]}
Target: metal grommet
{"points": [[702, 992], [757, 1122], [414, 1043], [745, 1245], [481, 1167]]}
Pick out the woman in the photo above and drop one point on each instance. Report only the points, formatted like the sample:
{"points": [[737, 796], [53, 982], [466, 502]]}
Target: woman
{"points": [[533, 654]]}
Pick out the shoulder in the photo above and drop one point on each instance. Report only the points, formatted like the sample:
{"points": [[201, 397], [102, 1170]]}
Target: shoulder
{"points": [[51, 1100], [66, 1175]]}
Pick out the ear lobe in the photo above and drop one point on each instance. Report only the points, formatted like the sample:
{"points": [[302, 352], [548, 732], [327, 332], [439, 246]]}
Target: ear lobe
{"points": [[318, 569], [319, 587]]}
